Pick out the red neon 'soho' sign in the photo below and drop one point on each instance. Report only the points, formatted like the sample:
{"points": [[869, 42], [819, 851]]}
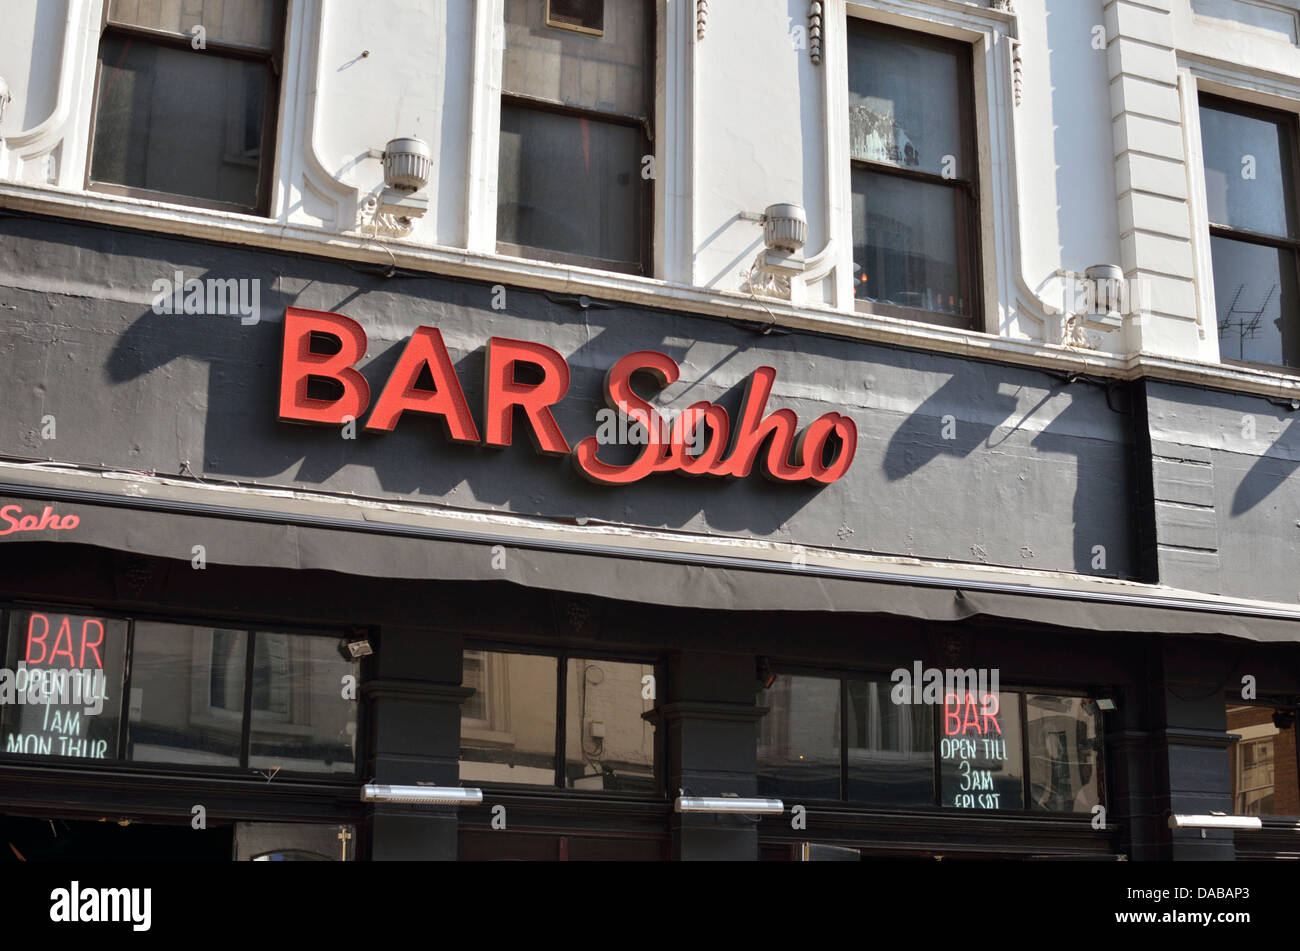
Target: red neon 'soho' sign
{"points": [[822, 453]]}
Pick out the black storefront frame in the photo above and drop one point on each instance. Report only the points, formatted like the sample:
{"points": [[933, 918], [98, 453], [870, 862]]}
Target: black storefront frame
{"points": [[133, 770], [937, 810]]}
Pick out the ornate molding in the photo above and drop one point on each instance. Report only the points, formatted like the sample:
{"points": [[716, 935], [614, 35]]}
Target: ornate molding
{"points": [[376, 225], [48, 142], [5, 98], [1017, 71], [316, 178], [761, 282], [815, 32], [1004, 6], [701, 17]]}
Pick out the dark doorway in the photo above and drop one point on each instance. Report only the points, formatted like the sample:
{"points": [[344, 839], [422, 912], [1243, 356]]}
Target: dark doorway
{"points": [[24, 839]]}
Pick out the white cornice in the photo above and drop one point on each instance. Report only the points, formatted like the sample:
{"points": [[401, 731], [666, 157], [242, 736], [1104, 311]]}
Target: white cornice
{"points": [[638, 291]]}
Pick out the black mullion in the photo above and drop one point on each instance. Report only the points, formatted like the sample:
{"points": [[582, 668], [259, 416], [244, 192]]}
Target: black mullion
{"points": [[937, 719], [124, 705], [844, 740], [245, 740], [1024, 748], [266, 148], [181, 41], [1254, 237], [523, 101], [916, 174], [561, 713]]}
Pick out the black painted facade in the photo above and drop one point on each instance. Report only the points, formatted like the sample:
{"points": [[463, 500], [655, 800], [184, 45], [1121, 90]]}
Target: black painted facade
{"points": [[959, 460]]}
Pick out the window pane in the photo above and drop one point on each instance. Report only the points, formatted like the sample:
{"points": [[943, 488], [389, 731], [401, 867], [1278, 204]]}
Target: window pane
{"points": [[603, 73], [904, 104], [1263, 761], [179, 121], [301, 720], [907, 247], [518, 743], [78, 663], [1064, 744], [980, 752], [799, 738], [1255, 295], [187, 694], [607, 744], [1248, 172], [891, 748], [242, 22], [569, 184]]}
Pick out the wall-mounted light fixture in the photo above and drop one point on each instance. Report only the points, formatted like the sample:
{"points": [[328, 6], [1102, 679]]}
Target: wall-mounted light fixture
{"points": [[422, 795], [1111, 291], [355, 646], [732, 805], [408, 165], [785, 230]]}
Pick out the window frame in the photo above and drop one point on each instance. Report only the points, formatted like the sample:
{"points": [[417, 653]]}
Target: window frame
{"points": [[273, 58], [644, 266], [1291, 122], [562, 656], [970, 233], [120, 761], [935, 806]]}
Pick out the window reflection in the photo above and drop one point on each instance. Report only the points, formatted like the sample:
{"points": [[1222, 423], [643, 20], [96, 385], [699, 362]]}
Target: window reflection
{"points": [[187, 694], [799, 738], [608, 745], [512, 740], [890, 748], [1262, 761], [1064, 736], [301, 719]]}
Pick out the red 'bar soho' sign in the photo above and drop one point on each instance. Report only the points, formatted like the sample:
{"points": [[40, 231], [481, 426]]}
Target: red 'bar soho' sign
{"points": [[821, 453]]}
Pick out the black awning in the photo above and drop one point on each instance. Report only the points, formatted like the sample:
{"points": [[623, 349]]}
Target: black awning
{"points": [[402, 551]]}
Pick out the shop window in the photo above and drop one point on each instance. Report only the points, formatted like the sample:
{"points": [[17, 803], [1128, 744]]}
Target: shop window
{"points": [[1064, 745], [608, 744], [1264, 769], [914, 178], [198, 696], [187, 695], [577, 84], [186, 101], [1250, 185], [890, 747], [61, 686], [302, 722], [799, 738], [514, 729], [979, 745]]}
